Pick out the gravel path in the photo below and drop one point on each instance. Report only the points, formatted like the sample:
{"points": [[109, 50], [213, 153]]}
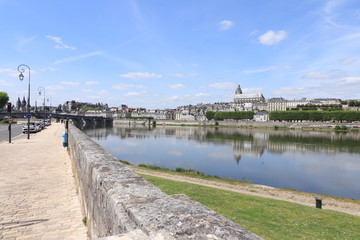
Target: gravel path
{"points": [[342, 205]]}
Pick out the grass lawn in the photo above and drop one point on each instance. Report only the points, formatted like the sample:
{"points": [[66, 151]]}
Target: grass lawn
{"points": [[270, 219]]}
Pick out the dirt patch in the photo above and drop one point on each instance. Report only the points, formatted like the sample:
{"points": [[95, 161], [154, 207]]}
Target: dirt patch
{"points": [[337, 204]]}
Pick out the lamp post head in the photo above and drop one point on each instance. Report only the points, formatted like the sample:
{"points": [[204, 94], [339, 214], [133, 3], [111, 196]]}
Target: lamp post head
{"points": [[21, 77]]}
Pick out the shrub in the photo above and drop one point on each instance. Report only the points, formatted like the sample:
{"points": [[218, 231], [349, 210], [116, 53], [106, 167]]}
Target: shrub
{"points": [[235, 115], [125, 162], [210, 115]]}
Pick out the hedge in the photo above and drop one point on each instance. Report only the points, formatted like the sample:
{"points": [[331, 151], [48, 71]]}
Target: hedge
{"points": [[349, 116]]}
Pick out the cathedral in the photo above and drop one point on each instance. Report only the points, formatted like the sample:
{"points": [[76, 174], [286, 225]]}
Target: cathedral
{"points": [[21, 105], [242, 98]]}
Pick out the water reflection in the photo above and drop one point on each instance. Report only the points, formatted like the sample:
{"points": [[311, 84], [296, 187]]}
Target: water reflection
{"points": [[321, 162], [246, 142]]}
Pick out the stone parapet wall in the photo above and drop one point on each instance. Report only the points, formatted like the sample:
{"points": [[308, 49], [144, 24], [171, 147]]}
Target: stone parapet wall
{"points": [[119, 203]]}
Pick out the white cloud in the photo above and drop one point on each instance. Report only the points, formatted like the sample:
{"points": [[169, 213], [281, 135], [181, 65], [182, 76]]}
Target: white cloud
{"points": [[267, 69], [348, 61], [102, 92], [94, 97], [60, 43], [226, 24], [5, 83], [255, 32], [224, 85], [178, 75], [23, 41], [352, 36], [334, 74], [291, 91], [140, 75], [11, 72], [87, 90], [54, 88], [271, 37], [177, 86], [182, 75], [129, 94], [260, 70], [50, 69], [70, 83], [173, 98], [124, 86], [79, 57], [348, 80], [91, 82], [328, 13], [201, 94]]}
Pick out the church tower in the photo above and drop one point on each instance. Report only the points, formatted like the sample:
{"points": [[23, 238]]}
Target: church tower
{"points": [[23, 105], [238, 90], [18, 104]]}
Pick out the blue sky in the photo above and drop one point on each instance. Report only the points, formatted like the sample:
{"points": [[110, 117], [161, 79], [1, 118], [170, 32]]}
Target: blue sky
{"points": [[163, 54]]}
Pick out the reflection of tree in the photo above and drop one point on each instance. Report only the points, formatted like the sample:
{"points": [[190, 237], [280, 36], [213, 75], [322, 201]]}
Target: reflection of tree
{"points": [[245, 142]]}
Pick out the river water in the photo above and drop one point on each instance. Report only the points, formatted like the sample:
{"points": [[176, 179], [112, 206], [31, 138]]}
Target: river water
{"points": [[318, 162]]}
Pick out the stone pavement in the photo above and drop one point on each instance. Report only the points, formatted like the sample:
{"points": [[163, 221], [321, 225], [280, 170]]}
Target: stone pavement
{"points": [[38, 198]]}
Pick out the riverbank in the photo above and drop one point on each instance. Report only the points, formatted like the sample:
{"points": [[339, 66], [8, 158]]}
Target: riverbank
{"points": [[306, 125], [268, 218], [348, 206]]}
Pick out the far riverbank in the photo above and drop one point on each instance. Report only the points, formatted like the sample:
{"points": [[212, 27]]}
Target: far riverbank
{"points": [[244, 123]]}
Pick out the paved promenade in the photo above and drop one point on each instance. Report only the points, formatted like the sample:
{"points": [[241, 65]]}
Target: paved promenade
{"points": [[38, 198]]}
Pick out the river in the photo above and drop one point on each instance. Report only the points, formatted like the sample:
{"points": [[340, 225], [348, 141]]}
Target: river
{"points": [[318, 162]]}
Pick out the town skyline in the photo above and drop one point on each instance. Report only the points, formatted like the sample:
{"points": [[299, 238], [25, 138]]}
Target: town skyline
{"points": [[164, 55]]}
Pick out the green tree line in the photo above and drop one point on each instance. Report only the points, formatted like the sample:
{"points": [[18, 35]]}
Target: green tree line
{"points": [[235, 115], [349, 116]]}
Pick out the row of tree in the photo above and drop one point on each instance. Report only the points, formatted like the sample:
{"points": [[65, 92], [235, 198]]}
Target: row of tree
{"points": [[349, 116], [211, 115], [326, 107], [311, 115]]}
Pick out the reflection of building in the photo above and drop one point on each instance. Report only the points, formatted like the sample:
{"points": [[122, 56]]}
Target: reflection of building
{"points": [[249, 149], [249, 144]]}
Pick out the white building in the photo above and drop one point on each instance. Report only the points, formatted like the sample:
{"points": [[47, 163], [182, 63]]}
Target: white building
{"points": [[242, 98], [261, 116]]}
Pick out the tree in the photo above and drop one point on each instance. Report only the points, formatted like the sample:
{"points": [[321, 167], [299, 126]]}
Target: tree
{"points": [[210, 115], [4, 98]]}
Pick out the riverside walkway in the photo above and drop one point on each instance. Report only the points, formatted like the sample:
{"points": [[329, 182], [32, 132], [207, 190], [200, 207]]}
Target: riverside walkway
{"points": [[38, 198]]}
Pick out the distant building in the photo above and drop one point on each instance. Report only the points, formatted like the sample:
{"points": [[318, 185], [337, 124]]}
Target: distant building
{"points": [[277, 104], [242, 98], [18, 104], [23, 105], [261, 116], [325, 101]]}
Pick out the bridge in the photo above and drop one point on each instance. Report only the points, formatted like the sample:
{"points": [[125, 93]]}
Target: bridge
{"points": [[80, 121]]}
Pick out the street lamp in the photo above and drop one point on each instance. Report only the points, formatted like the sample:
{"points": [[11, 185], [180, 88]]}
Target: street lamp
{"points": [[21, 69], [39, 90]]}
